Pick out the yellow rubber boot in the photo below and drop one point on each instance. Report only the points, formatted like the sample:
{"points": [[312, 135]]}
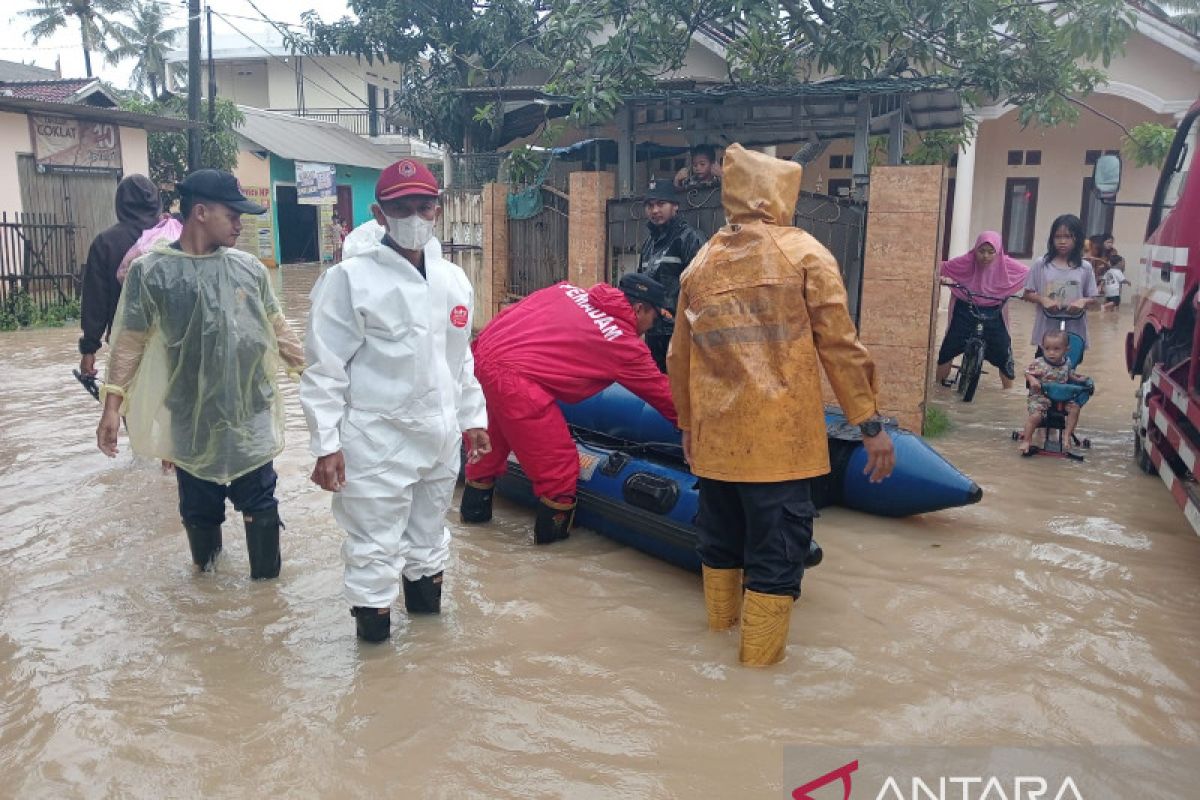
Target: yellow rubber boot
{"points": [[765, 622], [722, 597]]}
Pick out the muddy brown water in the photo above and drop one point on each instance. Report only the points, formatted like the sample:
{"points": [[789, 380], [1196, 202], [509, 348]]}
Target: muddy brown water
{"points": [[1061, 610]]}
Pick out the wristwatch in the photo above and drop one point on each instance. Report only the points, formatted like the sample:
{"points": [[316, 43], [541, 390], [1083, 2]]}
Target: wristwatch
{"points": [[871, 427]]}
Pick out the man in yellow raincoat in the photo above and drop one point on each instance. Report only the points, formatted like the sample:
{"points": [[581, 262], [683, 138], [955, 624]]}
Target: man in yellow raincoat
{"points": [[196, 347], [760, 304]]}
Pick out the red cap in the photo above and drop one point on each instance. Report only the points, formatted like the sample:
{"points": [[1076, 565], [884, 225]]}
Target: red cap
{"points": [[405, 177]]}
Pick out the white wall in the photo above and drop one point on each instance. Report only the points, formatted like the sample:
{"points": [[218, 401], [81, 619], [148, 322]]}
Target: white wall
{"points": [[14, 139], [243, 82], [135, 155], [341, 84], [1150, 67], [1062, 171]]}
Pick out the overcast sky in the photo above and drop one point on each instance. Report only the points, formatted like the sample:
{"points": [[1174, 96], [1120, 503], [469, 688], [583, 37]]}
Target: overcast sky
{"points": [[65, 43]]}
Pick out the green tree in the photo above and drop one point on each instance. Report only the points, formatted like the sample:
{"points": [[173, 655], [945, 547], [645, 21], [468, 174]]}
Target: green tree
{"points": [[95, 18], [1028, 52], [168, 149], [147, 40]]}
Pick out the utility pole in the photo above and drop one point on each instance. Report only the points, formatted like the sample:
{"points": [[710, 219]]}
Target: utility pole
{"points": [[193, 84], [212, 77]]}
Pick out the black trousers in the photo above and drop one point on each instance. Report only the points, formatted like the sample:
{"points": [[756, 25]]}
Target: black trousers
{"points": [[202, 502], [658, 339], [997, 344], [763, 528]]}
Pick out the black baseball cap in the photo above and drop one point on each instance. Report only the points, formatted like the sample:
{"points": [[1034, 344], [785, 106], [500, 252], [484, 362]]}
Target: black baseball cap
{"points": [[661, 190], [219, 186], [643, 288]]}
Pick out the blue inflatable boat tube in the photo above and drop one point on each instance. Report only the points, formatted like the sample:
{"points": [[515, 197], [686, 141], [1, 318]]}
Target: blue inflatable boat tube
{"points": [[634, 486]]}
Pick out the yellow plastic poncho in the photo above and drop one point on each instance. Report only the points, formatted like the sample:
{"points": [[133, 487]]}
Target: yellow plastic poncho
{"points": [[761, 310], [197, 342]]}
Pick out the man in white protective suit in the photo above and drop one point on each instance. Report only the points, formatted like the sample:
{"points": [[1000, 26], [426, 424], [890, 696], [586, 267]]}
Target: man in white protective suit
{"points": [[389, 393]]}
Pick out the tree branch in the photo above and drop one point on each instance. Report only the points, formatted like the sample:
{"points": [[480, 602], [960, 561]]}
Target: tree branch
{"points": [[1098, 113]]}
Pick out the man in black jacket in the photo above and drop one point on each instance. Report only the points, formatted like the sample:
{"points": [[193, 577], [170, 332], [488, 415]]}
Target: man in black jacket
{"points": [[138, 208], [672, 245]]}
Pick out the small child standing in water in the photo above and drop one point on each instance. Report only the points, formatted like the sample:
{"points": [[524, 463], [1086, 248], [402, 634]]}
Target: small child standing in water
{"points": [[1052, 366]]}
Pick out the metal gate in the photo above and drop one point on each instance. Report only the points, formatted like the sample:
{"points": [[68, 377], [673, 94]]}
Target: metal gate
{"points": [[537, 247], [37, 256], [836, 222]]}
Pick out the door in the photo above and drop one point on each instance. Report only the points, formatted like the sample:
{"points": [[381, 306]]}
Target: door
{"points": [[86, 200], [297, 228], [345, 205]]}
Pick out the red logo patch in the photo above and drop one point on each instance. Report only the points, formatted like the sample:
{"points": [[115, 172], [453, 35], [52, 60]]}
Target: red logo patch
{"points": [[407, 169], [458, 316]]}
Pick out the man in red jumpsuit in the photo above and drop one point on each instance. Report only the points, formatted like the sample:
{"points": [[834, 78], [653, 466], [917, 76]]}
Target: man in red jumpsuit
{"points": [[559, 343]]}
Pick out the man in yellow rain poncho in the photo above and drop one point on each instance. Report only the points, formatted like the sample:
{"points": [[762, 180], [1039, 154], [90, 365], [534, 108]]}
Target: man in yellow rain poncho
{"points": [[759, 305], [197, 340]]}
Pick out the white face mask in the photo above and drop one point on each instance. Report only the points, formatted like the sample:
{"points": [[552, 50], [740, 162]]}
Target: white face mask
{"points": [[412, 232]]}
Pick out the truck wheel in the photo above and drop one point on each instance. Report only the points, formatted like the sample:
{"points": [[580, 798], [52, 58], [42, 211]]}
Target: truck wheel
{"points": [[1140, 456]]}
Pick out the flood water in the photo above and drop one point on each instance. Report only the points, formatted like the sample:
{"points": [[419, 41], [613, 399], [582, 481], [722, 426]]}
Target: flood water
{"points": [[1063, 609]]}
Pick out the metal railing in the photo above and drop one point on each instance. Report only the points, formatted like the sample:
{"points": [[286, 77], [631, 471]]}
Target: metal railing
{"points": [[836, 222], [37, 257], [469, 172], [357, 120]]}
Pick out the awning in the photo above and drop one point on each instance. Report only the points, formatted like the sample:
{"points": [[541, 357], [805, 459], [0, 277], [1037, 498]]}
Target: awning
{"points": [[606, 149]]}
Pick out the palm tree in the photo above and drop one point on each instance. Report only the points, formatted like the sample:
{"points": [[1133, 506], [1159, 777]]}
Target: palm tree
{"points": [[1184, 13], [95, 28], [148, 41]]}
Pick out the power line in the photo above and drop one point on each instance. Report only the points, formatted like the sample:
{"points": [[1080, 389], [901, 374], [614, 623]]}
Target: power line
{"points": [[318, 64], [304, 77]]}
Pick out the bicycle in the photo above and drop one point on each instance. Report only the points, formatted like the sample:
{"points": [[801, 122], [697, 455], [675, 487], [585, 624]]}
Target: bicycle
{"points": [[966, 379]]}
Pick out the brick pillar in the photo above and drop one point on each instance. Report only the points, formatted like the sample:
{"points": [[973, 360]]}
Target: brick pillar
{"points": [[494, 283], [588, 226], [899, 291]]}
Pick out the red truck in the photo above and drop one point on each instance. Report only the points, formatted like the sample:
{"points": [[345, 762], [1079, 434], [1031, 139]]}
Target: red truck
{"points": [[1162, 349]]}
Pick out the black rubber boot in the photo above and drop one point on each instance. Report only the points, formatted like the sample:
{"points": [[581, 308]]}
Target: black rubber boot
{"points": [[205, 541], [477, 502], [370, 625], [553, 522], [815, 555], [423, 596], [262, 543]]}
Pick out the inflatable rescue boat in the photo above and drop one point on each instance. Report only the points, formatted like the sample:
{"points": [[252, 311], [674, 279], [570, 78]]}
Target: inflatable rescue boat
{"points": [[635, 488]]}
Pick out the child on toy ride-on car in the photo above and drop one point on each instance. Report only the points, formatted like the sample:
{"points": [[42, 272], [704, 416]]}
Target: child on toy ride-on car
{"points": [[1053, 367]]}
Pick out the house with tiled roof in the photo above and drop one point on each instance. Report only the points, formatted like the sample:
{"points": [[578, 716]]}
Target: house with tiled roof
{"points": [[64, 146], [82, 91]]}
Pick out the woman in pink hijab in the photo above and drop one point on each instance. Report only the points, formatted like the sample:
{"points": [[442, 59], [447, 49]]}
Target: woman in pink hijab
{"points": [[984, 270]]}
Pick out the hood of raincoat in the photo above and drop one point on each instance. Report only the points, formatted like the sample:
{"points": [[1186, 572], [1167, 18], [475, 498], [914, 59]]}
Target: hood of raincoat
{"points": [[363, 239], [138, 201], [759, 188]]}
